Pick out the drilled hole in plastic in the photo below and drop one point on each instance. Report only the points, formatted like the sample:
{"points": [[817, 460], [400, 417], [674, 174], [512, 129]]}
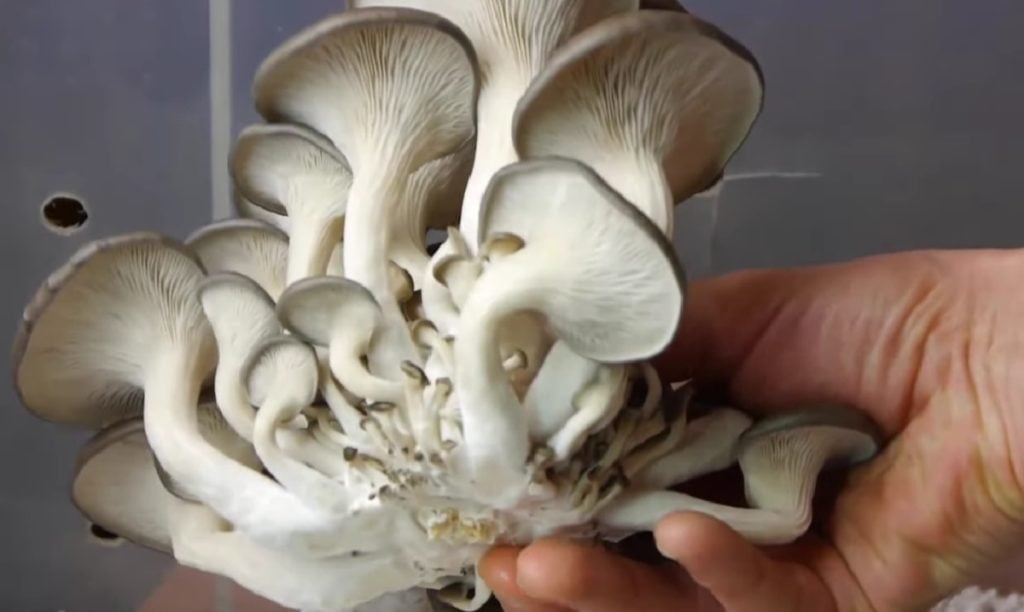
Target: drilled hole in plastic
{"points": [[104, 536], [64, 214]]}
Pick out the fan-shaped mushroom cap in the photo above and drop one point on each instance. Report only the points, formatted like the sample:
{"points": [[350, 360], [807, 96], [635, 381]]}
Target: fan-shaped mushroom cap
{"points": [[782, 455], [252, 248], [513, 40], [116, 486], [99, 325], [294, 171], [656, 102], [342, 315], [616, 295], [393, 89]]}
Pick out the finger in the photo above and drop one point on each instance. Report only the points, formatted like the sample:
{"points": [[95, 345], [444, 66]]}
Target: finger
{"points": [[738, 575], [498, 568], [850, 333], [588, 578]]}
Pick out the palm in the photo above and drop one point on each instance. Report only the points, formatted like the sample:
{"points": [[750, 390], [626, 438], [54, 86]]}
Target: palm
{"points": [[926, 344]]}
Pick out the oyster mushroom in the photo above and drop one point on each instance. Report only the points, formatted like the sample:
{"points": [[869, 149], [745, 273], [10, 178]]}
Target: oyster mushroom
{"points": [[241, 315], [656, 102], [781, 458], [281, 375], [513, 40], [116, 486], [343, 316], [121, 320], [293, 171], [252, 248], [393, 89], [616, 296]]}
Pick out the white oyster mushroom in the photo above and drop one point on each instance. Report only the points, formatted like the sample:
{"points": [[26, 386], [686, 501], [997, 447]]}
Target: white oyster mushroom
{"points": [[75, 351], [656, 102], [116, 486], [281, 375], [393, 89], [343, 316], [415, 410], [294, 171], [251, 248], [616, 296], [781, 458], [513, 40], [241, 315]]}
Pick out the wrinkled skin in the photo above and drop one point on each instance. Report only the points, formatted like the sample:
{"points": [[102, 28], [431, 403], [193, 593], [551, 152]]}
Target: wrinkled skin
{"points": [[931, 344]]}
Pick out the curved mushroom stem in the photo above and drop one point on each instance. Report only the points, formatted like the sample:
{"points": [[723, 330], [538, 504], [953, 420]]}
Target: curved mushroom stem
{"points": [[642, 510], [437, 300], [494, 146], [243, 496], [549, 398], [598, 401], [346, 362], [308, 484], [375, 195], [708, 445], [312, 241], [201, 541]]}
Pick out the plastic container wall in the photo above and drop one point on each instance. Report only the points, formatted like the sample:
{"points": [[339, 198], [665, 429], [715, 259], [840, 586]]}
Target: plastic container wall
{"points": [[887, 126]]}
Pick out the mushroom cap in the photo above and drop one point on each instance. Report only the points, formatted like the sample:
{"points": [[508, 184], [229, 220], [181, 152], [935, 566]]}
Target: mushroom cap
{"points": [[238, 308], [116, 486], [280, 361], [851, 432], [658, 82], [315, 308], [247, 210], [617, 291], [100, 322], [252, 248], [287, 168], [395, 82]]}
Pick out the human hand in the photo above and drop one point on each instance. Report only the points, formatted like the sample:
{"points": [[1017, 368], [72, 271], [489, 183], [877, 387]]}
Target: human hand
{"points": [[930, 344]]}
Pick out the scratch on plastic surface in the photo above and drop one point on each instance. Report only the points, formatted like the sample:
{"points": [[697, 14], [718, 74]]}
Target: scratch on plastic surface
{"points": [[715, 194], [220, 107]]}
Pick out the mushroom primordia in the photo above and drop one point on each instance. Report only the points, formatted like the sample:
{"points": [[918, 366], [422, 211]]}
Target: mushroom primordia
{"points": [[313, 404]]}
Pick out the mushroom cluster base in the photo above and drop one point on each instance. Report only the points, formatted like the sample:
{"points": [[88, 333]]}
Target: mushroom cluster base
{"points": [[314, 402]]}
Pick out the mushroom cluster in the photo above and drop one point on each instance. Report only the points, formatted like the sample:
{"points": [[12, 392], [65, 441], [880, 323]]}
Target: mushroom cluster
{"points": [[318, 404]]}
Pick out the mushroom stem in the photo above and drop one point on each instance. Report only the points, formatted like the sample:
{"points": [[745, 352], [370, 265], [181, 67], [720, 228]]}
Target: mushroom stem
{"points": [[367, 240], [241, 495], [312, 241], [346, 363], [202, 542], [495, 427], [494, 146], [310, 485], [642, 183], [642, 510], [708, 445]]}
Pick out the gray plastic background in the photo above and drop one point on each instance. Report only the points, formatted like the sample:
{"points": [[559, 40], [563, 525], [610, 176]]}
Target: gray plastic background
{"points": [[888, 126]]}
